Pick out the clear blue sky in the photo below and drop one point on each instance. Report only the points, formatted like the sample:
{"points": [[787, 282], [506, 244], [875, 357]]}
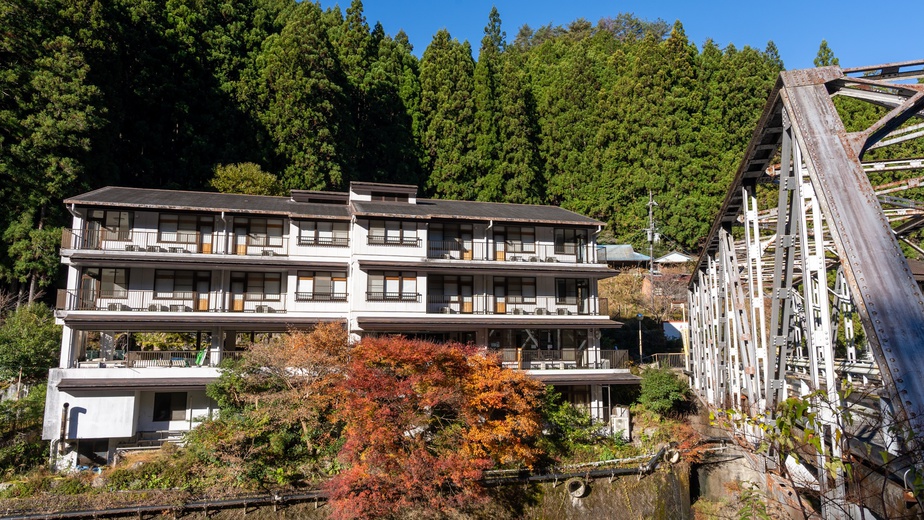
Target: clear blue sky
{"points": [[858, 33]]}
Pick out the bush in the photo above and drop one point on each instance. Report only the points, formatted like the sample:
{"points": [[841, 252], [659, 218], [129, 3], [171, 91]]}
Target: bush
{"points": [[662, 390]]}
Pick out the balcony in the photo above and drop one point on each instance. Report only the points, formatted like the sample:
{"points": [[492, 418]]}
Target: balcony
{"points": [[174, 242], [121, 300], [392, 297], [515, 305], [320, 297], [323, 241], [562, 358], [509, 252], [384, 240], [154, 359], [455, 250]]}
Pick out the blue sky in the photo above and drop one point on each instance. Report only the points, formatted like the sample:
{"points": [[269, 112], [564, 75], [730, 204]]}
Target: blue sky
{"points": [[859, 33]]}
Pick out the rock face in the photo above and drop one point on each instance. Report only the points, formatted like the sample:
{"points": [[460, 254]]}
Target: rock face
{"points": [[663, 495]]}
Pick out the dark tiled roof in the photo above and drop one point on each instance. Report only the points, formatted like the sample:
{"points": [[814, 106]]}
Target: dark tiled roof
{"points": [[114, 196], [468, 210]]}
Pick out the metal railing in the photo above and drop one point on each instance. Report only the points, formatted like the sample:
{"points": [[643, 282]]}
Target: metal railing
{"points": [[670, 360], [160, 301], [392, 297], [455, 250], [155, 358], [379, 240], [510, 252], [513, 305], [174, 242], [324, 241], [562, 359], [320, 297]]}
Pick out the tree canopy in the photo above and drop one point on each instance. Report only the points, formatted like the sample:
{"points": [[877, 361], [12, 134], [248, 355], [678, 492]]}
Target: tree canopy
{"points": [[587, 116]]}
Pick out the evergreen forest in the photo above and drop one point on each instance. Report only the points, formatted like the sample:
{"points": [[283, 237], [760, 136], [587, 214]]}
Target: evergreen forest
{"points": [[161, 93]]}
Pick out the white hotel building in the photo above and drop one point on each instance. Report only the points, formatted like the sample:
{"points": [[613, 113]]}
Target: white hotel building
{"points": [[219, 271]]}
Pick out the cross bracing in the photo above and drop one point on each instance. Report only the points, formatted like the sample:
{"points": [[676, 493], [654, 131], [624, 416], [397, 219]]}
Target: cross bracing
{"points": [[803, 283]]}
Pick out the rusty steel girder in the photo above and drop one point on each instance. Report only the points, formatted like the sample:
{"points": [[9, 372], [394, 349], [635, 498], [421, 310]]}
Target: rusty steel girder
{"points": [[828, 216]]}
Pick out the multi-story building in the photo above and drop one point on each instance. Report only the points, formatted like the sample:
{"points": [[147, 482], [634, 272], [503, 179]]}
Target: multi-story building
{"points": [[162, 285]]}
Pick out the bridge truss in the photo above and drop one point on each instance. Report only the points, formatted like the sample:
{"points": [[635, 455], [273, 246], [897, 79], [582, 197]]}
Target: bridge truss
{"points": [[803, 283]]}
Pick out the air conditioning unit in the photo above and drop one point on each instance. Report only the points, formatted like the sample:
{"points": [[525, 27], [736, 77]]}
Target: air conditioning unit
{"points": [[445, 310], [265, 309], [563, 312], [518, 311], [542, 311]]}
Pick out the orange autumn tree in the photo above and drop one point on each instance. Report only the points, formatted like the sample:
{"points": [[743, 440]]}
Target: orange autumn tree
{"points": [[423, 421]]}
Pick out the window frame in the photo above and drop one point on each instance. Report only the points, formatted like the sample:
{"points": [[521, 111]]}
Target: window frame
{"points": [[403, 283], [393, 233], [169, 406], [253, 281], [310, 234], [333, 279]]}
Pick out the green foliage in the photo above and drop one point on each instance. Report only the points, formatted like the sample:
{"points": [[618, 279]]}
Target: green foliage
{"points": [[29, 340], [662, 391], [247, 178], [168, 470], [825, 56], [568, 427], [589, 117], [753, 503]]}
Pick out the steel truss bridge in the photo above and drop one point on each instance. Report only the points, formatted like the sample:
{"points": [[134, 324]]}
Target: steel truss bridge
{"points": [[803, 291]]}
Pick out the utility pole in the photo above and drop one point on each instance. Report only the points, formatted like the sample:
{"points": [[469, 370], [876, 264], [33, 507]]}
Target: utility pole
{"points": [[652, 237], [639, 316]]}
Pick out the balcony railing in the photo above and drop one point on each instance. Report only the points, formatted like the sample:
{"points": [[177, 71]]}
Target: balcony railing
{"points": [[508, 252], [320, 297], [562, 359], [455, 250], [407, 241], [160, 301], [515, 305], [392, 297], [154, 358], [324, 241], [175, 242]]}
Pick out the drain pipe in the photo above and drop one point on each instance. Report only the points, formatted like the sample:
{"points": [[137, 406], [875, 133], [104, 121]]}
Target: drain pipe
{"points": [[63, 433], [644, 469]]}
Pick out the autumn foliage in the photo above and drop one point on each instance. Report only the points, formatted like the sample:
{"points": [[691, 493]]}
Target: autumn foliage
{"points": [[422, 423]]}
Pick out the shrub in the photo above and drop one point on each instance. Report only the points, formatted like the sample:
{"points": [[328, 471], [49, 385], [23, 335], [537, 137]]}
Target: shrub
{"points": [[662, 390]]}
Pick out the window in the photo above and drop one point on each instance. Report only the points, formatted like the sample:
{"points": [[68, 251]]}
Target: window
{"points": [[567, 241], [393, 232], [515, 289], [389, 197], [321, 286], [520, 240], [324, 233], [266, 232], [392, 286], [179, 284], [110, 282], [112, 225], [258, 286], [170, 406], [184, 229], [566, 291]]}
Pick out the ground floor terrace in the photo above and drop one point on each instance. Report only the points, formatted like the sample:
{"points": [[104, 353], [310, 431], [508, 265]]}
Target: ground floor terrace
{"points": [[122, 389]]}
